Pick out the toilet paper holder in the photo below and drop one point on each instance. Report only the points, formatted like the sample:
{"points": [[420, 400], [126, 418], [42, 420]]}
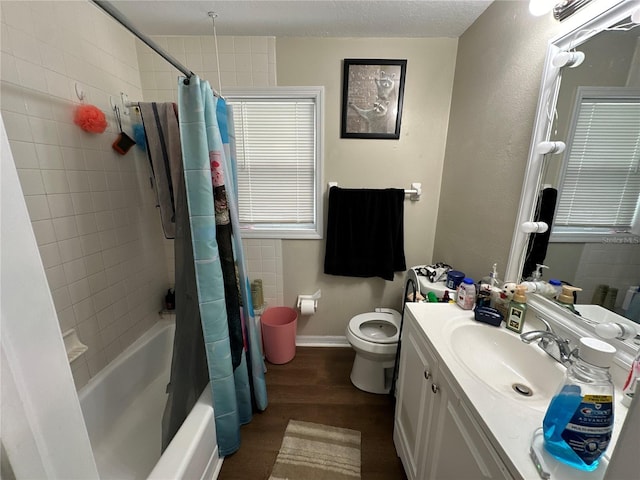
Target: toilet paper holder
{"points": [[313, 297]]}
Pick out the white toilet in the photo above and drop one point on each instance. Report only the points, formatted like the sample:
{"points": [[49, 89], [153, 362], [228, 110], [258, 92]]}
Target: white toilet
{"points": [[374, 336]]}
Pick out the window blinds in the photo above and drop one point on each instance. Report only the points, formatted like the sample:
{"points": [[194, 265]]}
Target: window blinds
{"points": [[601, 185], [275, 153]]}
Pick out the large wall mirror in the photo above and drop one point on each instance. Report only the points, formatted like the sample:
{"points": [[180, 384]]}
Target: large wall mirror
{"points": [[595, 101]]}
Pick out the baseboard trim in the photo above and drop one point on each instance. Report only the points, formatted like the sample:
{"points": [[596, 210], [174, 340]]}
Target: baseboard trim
{"points": [[322, 341]]}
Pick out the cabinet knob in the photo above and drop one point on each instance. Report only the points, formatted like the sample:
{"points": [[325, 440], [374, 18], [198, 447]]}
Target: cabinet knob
{"points": [[434, 388], [427, 374]]}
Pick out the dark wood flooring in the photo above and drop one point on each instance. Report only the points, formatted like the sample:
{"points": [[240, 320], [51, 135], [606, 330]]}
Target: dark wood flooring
{"points": [[315, 387]]}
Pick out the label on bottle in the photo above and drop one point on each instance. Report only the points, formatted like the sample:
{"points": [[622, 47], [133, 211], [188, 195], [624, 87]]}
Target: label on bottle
{"points": [[466, 296], [515, 320], [589, 431]]}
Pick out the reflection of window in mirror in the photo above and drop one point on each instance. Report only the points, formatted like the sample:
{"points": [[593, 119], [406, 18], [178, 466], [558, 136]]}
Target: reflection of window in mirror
{"points": [[612, 61], [600, 181]]}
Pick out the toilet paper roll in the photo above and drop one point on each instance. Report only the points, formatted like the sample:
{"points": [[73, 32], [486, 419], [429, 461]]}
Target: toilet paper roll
{"points": [[308, 306]]}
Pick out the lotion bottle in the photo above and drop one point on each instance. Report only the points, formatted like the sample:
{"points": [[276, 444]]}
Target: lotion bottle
{"points": [[517, 310]]}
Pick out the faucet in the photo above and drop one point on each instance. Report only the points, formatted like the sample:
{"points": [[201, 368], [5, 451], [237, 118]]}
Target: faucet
{"points": [[555, 346]]}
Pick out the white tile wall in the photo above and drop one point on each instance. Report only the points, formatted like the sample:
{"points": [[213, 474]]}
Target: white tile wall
{"points": [[92, 210], [264, 261], [615, 263], [244, 62]]}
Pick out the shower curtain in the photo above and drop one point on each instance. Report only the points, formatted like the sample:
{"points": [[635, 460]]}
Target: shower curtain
{"points": [[234, 361]]}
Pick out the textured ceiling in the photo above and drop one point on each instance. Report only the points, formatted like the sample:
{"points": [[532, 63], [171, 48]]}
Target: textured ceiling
{"points": [[317, 18]]}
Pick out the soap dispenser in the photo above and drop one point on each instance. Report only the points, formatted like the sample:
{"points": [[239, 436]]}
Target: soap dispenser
{"points": [[536, 276], [565, 299], [517, 310]]}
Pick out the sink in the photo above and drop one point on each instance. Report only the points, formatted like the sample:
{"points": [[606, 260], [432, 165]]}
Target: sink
{"points": [[506, 364]]}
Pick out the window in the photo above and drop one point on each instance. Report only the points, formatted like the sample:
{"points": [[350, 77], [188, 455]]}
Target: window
{"points": [[279, 137], [600, 188]]}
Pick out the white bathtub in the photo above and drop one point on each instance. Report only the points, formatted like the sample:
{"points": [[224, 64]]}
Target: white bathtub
{"points": [[123, 406]]}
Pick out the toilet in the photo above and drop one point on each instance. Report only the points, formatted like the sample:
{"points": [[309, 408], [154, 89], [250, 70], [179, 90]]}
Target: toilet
{"points": [[374, 336]]}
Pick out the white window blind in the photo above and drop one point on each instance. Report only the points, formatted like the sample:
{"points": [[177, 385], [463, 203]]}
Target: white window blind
{"points": [[278, 162], [601, 184]]}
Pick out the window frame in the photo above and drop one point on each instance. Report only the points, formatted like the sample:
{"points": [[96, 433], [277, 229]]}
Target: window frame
{"points": [[594, 234], [314, 230]]}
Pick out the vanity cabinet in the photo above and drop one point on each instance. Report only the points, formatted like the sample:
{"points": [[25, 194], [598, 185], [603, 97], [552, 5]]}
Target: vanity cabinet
{"points": [[435, 433]]}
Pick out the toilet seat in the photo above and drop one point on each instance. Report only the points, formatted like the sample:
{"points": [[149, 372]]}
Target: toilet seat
{"points": [[374, 327]]}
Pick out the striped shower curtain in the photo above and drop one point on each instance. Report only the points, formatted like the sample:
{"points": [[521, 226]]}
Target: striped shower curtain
{"points": [[235, 365]]}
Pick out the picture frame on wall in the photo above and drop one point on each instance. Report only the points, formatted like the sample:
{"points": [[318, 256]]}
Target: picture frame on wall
{"points": [[372, 96]]}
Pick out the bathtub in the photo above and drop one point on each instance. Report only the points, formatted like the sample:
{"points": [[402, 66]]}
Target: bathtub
{"points": [[123, 406]]}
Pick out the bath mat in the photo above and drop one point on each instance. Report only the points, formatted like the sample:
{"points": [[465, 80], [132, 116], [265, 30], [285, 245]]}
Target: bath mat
{"points": [[311, 451]]}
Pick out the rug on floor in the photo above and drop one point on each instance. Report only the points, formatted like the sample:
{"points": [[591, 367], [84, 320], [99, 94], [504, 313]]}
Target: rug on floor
{"points": [[311, 451]]}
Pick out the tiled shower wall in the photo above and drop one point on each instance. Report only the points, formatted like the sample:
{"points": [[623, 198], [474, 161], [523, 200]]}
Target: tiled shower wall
{"points": [[244, 62], [92, 210], [615, 263]]}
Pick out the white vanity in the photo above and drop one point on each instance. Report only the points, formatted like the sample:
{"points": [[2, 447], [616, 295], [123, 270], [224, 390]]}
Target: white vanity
{"points": [[457, 413]]}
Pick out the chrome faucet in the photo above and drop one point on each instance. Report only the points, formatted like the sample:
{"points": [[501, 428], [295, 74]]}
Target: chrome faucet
{"points": [[555, 346]]}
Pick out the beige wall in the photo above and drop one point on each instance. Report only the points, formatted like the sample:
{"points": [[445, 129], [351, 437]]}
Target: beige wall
{"points": [[416, 157], [497, 79]]}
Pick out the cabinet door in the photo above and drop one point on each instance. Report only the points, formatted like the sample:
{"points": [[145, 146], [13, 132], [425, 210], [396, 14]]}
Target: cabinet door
{"points": [[460, 449], [414, 403]]}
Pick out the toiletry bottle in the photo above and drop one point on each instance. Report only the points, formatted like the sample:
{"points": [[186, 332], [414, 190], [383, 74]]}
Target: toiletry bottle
{"points": [[491, 280], [557, 286], [579, 420], [488, 288], [536, 276], [517, 310], [540, 287], [565, 299], [629, 388], [466, 294]]}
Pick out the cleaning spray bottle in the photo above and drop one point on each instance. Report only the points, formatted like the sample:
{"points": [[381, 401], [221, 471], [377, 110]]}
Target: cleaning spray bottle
{"points": [[517, 310], [578, 424]]}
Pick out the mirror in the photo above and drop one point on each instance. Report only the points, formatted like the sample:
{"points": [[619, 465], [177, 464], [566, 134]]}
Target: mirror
{"points": [[585, 257]]}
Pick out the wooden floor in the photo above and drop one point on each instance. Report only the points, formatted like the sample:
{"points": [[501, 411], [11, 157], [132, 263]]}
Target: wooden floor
{"points": [[315, 387]]}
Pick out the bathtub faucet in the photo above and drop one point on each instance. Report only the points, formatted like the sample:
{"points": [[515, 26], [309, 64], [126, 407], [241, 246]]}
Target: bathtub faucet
{"points": [[555, 346]]}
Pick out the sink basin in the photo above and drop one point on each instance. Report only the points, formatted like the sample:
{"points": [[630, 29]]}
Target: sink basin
{"points": [[506, 364]]}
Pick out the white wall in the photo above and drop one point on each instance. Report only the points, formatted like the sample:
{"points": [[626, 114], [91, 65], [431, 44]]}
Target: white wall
{"points": [[92, 210]]}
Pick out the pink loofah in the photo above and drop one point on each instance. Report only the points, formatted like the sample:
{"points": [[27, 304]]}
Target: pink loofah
{"points": [[90, 119]]}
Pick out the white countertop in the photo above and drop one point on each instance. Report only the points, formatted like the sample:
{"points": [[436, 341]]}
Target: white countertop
{"points": [[506, 418]]}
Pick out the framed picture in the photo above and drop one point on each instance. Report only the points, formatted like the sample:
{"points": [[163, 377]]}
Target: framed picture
{"points": [[372, 92]]}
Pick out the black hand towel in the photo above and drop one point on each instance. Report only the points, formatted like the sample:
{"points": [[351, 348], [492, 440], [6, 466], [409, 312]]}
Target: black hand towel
{"points": [[365, 233]]}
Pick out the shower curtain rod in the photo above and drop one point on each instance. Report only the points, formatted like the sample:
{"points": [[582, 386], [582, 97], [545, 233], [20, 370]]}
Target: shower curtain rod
{"points": [[122, 20]]}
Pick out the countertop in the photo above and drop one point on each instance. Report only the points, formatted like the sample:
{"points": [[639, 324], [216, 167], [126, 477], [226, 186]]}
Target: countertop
{"points": [[506, 419]]}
